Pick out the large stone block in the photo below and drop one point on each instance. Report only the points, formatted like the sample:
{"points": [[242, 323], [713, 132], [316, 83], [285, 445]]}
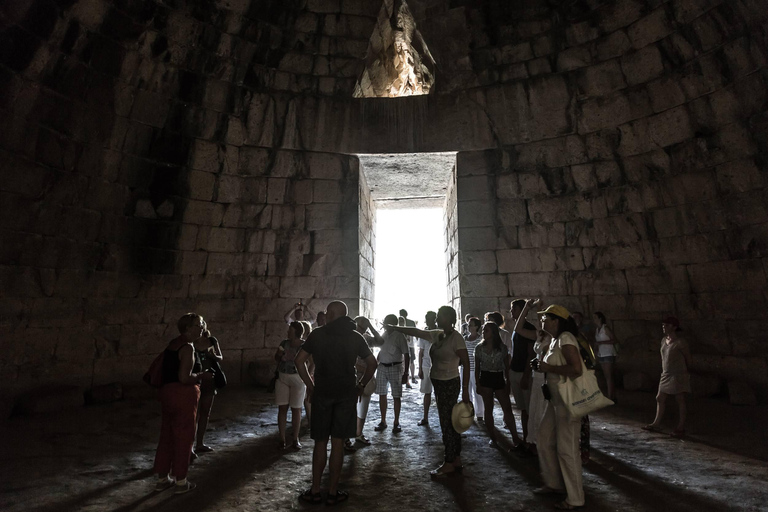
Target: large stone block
{"points": [[537, 284], [693, 249], [515, 261], [650, 29], [511, 212], [739, 176], [643, 65], [298, 287], [323, 216], [654, 280], [477, 239], [600, 282], [727, 276], [541, 235], [54, 312], [475, 213], [488, 285], [328, 191], [224, 263], [741, 393], [477, 262], [601, 79]]}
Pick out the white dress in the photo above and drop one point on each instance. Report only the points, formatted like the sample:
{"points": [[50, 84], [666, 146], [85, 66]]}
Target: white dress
{"points": [[537, 404]]}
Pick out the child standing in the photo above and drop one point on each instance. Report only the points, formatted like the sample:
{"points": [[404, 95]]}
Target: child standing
{"points": [[675, 379]]}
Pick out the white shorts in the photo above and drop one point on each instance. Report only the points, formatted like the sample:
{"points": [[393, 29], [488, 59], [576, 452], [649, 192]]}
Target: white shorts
{"points": [[362, 406], [426, 382], [290, 390], [390, 375], [522, 396]]}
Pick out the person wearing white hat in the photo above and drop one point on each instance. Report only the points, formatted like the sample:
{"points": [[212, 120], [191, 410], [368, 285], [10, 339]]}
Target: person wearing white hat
{"points": [[558, 435], [448, 351]]}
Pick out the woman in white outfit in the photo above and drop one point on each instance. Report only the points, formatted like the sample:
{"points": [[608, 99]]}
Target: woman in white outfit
{"points": [[558, 434], [538, 404], [606, 352], [289, 388]]}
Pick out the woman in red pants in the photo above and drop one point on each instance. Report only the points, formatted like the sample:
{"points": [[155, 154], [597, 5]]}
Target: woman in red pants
{"points": [[179, 395]]}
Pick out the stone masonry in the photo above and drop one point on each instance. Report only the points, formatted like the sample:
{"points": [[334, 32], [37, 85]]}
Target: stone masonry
{"points": [[158, 159]]}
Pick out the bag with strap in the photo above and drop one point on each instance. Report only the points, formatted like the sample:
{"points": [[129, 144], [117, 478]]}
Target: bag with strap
{"points": [[154, 376], [582, 395]]}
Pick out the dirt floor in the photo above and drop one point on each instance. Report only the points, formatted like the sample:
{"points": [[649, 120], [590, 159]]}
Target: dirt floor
{"points": [[100, 458]]}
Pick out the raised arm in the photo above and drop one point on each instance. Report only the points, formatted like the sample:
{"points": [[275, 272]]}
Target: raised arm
{"points": [[378, 340], [412, 331], [522, 319], [288, 316]]}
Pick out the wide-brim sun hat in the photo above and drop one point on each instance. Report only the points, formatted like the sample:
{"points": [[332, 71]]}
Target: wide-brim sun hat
{"points": [[370, 387], [462, 416], [556, 310]]}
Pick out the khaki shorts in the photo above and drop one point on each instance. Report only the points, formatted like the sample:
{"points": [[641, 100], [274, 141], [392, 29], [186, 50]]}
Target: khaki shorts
{"points": [[290, 390]]}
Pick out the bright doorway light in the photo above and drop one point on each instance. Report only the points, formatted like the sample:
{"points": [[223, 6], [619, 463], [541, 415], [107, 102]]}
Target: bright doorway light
{"points": [[410, 262]]}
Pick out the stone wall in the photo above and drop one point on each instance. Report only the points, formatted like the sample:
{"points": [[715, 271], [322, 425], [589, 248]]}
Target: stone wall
{"points": [[160, 159], [452, 260], [638, 240], [127, 201], [367, 245]]}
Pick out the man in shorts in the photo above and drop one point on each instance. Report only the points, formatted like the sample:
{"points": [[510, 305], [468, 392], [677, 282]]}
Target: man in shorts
{"points": [[334, 348], [393, 360]]}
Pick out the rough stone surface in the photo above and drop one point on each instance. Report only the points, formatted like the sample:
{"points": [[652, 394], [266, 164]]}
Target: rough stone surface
{"points": [[197, 156]]}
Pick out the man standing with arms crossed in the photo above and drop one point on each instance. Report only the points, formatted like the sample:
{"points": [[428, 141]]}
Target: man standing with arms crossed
{"points": [[335, 348]]}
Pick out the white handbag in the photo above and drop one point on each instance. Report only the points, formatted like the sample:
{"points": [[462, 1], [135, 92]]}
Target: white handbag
{"points": [[582, 395]]}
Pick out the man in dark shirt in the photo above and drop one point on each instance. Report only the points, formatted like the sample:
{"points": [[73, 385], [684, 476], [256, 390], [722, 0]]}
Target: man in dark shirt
{"points": [[523, 338], [333, 392]]}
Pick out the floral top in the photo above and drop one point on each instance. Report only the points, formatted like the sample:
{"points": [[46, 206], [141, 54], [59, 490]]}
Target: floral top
{"points": [[490, 361]]}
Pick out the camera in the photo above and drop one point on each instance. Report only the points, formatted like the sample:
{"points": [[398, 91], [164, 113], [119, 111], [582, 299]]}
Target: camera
{"points": [[545, 391], [535, 364]]}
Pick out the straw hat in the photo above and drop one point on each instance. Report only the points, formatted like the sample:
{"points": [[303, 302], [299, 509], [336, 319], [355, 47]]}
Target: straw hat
{"points": [[462, 416], [370, 387]]}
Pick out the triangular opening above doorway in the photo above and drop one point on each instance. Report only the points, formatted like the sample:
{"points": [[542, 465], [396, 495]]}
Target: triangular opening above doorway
{"points": [[398, 62]]}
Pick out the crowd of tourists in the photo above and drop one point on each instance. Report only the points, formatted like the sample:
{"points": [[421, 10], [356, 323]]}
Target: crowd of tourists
{"points": [[328, 369]]}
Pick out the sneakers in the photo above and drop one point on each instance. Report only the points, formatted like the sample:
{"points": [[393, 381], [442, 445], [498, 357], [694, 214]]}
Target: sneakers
{"points": [[184, 488]]}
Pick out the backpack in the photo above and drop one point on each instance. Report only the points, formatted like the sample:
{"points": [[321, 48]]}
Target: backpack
{"points": [[154, 376]]}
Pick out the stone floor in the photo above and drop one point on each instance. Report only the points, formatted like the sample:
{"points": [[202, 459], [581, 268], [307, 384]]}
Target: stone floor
{"points": [[99, 459]]}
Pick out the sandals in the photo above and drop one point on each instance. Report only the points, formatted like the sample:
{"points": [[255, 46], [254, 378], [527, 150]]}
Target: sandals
{"points": [[564, 505], [309, 497], [651, 428], [678, 433], [334, 499], [396, 429], [381, 427], [164, 484], [348, 446], [183, 489], [423, 423], [297, 444], [203, 449], [363, 440], [547, 491]]}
